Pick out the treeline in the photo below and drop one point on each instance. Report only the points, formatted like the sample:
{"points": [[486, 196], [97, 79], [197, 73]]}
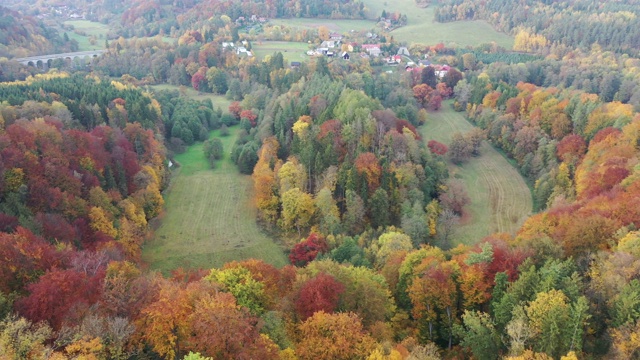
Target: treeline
{"points": [[579, 24], [23, 36], [83, 101], [546, 130], [612, 77]]}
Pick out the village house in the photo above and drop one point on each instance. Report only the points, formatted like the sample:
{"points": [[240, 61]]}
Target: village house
{"points": [[441, 70], [394, 60], [372, 49], [335, 36], [329, 44], [403, 51], [345, 55]]}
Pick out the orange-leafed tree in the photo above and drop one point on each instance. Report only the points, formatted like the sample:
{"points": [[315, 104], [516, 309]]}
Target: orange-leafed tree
{"points": [[219, 328], [367, 165], [165, 323], [333, 337]]}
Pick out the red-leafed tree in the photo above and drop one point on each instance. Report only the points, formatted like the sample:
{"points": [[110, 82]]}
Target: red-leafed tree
{"points": [[604, 133], [8, 223], [198, 79], [571, 148], [307, 250], [61, 296], [249, 115], [23, 257], [437, 148], [235, 109], [321, 293]]}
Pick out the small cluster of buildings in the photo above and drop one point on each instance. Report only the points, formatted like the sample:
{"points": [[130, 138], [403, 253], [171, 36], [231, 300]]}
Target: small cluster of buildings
{"points": [[240, 50], [253, 19], [61, 11]]}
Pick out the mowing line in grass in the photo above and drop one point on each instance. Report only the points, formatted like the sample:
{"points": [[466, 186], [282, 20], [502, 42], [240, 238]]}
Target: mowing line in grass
{"points": [[209, 219], [500, 198]]}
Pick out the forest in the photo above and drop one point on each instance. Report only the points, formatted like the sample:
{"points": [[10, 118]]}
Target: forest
{"points": [[364, 207]]}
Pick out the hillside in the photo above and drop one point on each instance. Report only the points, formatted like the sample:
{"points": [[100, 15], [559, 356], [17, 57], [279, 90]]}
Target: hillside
{"points": [[22, 36]]}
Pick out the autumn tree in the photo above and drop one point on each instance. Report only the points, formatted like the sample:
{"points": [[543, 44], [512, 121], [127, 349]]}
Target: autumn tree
{"points": [[307, 250], [318, 294], [333, 336], [298, 208], [220, 329]]}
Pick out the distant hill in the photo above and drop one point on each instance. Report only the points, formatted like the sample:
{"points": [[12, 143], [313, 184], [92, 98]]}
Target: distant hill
{"points": [[22, 36]]}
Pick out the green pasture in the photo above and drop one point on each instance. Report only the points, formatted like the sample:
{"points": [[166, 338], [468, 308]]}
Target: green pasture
{"points": [[209, 217], [500, 198], [218, 100], [337, 25], [98, 30], [422, 28], [291, 51]]}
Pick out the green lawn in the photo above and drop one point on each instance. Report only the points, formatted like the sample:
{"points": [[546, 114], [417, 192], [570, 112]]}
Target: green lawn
{"points": [[500, 198], [218, 100], [337, 25], [291, 51], [91, 29], [209, 218], [420, 28]]}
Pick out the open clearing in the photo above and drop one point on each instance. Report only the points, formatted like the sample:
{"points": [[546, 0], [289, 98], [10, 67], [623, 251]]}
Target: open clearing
{"points": [[291, 51], [90, 28], [218, 100], [337, 25], [500, 198], [209, 218], [421, 26]]}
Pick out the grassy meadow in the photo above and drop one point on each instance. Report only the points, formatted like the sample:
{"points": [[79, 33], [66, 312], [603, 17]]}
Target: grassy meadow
{"points": [[291, 51], [420, 28], [500, 198], [209, 216], [337, 25], [218, 100], [91, 29]]}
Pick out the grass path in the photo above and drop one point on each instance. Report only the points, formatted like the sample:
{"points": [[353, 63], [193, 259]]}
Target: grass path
{"points": [[209, 218], [500, 198]]}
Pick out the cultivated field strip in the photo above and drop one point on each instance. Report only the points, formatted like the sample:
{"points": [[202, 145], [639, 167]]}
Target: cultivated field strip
{"points": [[500, 199], [209, 220]]}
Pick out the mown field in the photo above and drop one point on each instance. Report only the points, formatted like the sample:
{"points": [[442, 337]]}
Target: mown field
{"points": [[209, 218], [337, 25], [218, 100], [291, 51], [500, 198], [420, 28], [98, 30]]}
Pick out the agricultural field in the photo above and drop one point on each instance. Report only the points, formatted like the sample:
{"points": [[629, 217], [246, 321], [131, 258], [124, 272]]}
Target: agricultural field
{"points": [[337, 25], [500, 198], [291, 51], [90, 28], [209, 218], [421, 28], [218, 100]]}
